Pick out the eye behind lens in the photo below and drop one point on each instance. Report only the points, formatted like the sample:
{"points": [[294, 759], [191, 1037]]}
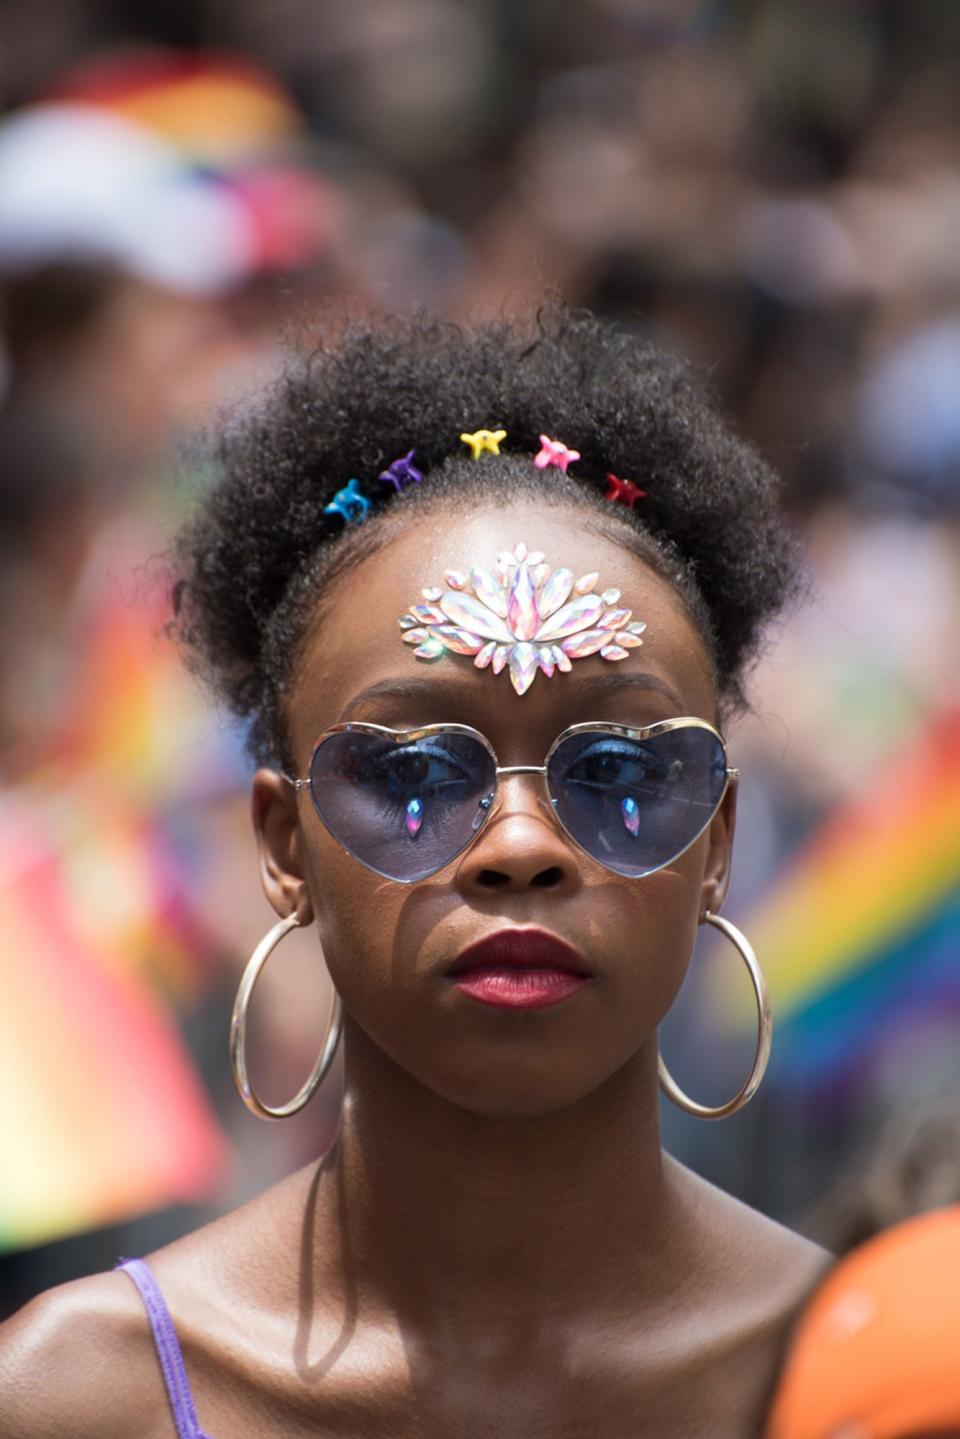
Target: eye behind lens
{"points": [[404, 808], [635, 805]]}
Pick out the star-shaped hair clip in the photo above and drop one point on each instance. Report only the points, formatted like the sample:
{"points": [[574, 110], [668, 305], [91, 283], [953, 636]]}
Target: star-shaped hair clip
{"points": [[481, 441], [623, 491], [554, 452], [349, 504], [402, 472]]}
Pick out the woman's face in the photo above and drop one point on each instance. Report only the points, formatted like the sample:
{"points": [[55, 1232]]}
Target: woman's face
{"points": [[389, 946]]}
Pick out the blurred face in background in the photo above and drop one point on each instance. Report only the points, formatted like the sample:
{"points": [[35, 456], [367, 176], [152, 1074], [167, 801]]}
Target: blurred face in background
{"points": [[133, 361]]}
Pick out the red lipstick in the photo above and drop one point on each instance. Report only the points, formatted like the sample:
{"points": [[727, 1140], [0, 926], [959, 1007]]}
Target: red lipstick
{"points": [[520, 969]]}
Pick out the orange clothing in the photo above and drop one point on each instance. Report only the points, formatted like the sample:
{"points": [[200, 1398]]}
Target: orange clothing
{"points": [[877, 1353]]}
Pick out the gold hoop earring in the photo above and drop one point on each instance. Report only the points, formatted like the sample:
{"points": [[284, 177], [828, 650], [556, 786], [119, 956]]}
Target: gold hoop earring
{"points": [[764, 1035], [238, 1032]]}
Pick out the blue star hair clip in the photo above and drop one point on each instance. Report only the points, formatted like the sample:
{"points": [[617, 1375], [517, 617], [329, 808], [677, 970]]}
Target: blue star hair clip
{"points": [[349, 504]]}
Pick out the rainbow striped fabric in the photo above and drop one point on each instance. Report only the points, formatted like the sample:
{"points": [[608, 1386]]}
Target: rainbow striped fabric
{"points": [[861, 933], [102, 1113]]}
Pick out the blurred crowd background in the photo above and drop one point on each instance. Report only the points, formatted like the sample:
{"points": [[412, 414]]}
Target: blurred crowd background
{"points": [[770, 188]]}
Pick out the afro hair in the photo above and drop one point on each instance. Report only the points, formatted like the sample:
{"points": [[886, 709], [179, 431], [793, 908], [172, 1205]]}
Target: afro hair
{"points": [[261, 549]]}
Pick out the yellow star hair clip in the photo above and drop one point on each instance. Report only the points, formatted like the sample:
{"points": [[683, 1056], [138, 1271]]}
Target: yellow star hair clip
{"points": [[480, 440]]}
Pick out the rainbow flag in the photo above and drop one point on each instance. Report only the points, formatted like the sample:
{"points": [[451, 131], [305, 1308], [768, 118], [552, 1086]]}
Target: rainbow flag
{"points": [[102, 1113], [861, 933]]}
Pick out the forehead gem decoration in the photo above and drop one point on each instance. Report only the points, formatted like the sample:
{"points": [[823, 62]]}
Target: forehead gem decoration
{"points": [[484, 440], [402, 472], [349, 504], [532, 618], [554, 452]]}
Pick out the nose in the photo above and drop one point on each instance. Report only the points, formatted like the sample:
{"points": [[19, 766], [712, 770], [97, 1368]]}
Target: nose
{"points": [[521, 846]]}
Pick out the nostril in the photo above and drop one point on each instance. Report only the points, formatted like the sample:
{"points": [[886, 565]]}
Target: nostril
{"points": [[548, 878], [492, 878]]}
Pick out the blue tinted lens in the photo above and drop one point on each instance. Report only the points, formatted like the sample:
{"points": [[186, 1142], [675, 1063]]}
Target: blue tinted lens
{"points": [[404, 808], [636, 805]]}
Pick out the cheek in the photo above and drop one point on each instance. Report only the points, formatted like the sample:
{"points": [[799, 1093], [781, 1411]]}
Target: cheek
{"points": [[355, 912], [649, 926], [371, 949]]}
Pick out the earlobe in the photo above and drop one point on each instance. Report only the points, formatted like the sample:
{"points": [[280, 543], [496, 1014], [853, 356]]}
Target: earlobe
{"points": [[716, 875], [276, 824]]}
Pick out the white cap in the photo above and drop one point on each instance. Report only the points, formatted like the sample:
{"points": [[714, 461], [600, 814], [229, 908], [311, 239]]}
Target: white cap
{"points": [[79, 183]]}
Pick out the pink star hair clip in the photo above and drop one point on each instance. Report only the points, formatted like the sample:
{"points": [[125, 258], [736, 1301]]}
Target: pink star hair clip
{"points": [[554, 452], [524, 618]]}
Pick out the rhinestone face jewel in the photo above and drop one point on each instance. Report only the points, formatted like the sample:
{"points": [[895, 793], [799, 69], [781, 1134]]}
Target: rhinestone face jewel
{"points": [[523, 617], [414, 817]]}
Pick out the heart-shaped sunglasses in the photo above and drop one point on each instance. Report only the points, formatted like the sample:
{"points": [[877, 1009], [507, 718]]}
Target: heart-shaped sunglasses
{"points": [[407, 802]]}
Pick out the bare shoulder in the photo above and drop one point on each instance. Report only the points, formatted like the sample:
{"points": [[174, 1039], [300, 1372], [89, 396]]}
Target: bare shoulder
{"points": [[79, 1361], [765, 1258], [745, 1279], [247, 1260]]}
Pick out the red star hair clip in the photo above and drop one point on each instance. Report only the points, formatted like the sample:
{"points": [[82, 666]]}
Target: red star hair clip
{"points": [[623, 491]]}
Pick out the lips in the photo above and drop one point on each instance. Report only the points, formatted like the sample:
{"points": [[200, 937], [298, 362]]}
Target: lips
{"points": [[522, 949]]}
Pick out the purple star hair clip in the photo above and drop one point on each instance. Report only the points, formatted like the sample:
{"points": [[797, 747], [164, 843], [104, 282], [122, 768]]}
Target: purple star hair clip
{"points": [[524, 618], [402, 472]]}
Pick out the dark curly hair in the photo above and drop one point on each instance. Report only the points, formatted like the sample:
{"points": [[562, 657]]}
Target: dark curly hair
{"points": [[261, 551]]}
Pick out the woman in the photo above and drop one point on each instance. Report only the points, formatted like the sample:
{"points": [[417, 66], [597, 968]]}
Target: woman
{"points": [[496, 1243]]}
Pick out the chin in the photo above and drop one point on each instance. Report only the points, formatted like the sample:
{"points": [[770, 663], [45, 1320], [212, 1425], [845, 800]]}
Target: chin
{"points": [[518, 1090]]}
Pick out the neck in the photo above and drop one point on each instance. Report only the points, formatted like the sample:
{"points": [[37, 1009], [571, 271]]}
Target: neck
{"points": [[451, 1220]]}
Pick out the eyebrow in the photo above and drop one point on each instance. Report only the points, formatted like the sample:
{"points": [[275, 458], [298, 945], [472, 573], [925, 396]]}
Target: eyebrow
{"points": [[587, 688]]}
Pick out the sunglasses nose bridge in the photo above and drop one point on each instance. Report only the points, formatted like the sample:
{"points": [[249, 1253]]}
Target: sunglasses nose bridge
{"points": [[514, 771], [510, 772]]}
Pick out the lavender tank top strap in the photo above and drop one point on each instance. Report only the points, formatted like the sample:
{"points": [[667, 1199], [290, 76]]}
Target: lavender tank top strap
{"points": [[168, 1349]]}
